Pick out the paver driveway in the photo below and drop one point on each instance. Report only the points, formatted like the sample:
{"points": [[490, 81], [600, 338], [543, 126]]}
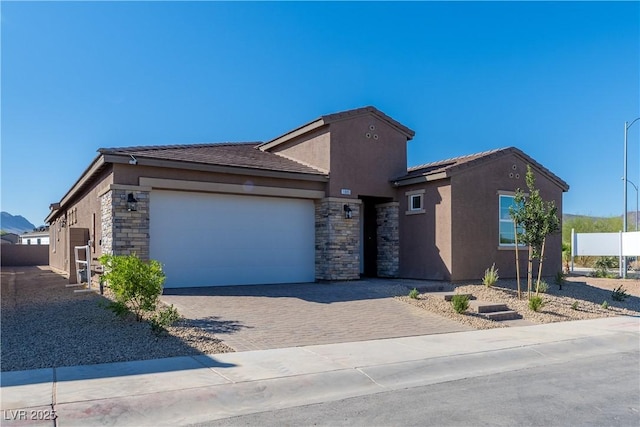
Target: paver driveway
{"points": [[276, 316]]}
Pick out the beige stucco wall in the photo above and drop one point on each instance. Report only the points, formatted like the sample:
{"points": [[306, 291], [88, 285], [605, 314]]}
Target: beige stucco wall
{"points": [[311, 149], [79, 213], [130, 175], [366, 165], [425, 238], [474, 218]]}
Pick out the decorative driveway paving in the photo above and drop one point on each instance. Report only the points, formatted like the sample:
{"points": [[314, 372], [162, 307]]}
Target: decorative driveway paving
{"points": [[276, 316]]}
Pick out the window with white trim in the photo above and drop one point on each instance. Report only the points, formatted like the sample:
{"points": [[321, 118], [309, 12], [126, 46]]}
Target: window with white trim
{"points": [[506, 229], [415, 202]]}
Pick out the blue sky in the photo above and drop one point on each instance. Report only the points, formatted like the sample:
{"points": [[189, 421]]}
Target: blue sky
{"points": [[556, 80]]}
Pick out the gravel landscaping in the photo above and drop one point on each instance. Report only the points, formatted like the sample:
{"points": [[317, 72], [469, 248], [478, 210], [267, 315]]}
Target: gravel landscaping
{"points": [[45, 324], [581, 297]]}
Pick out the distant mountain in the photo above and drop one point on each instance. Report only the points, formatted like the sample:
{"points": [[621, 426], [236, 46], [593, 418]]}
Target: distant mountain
{"points": [[15, 224]]}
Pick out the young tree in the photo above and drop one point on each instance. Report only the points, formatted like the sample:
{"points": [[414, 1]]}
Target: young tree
{"points": [[534, 220]]}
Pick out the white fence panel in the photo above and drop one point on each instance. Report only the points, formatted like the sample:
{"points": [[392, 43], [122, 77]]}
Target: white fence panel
{"points": [[597, 244], [631, 243]]}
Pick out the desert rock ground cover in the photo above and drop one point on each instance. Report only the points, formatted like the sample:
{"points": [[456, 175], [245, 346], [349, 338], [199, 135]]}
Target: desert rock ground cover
{"points": [[581, 297], [45, 324]]}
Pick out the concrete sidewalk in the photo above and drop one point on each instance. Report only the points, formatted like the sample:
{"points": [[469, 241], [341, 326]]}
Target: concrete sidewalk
{"points": [[188, 390]]}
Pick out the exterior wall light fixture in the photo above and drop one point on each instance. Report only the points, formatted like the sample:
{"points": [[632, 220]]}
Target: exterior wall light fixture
{"points": [[132, 203], [348, 214]]}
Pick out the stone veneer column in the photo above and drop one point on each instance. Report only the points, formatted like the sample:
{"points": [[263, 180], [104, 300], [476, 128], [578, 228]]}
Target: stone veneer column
{"points": [[125, 232], [337, 240], [388, 215]]}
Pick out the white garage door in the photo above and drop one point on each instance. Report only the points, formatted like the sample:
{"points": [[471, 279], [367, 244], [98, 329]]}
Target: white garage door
{"points": [[207, 239]]}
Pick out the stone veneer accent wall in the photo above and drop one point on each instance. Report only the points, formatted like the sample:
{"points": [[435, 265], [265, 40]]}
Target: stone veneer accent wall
{"points": [[125, 232], [388, 239], [337, 240]]}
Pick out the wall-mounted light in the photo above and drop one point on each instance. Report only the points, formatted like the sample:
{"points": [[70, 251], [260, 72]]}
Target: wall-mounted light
{"points": [[348, 213], [63, 223], [132, 203]]}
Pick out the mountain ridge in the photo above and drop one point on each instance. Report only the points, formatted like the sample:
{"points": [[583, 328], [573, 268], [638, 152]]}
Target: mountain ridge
{"points": [[15, 223]]}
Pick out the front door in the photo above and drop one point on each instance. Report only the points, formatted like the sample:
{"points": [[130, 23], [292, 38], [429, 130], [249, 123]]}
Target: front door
{"points": [[370, 238]]}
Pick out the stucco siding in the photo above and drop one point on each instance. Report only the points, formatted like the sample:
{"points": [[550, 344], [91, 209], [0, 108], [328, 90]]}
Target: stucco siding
{"points": [[311, 149], [475, 217], [425, 238], [363, 163], [130, 175]]}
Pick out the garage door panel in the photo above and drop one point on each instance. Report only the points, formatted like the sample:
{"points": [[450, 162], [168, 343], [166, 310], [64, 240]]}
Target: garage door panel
{"points": [[221, 239]]}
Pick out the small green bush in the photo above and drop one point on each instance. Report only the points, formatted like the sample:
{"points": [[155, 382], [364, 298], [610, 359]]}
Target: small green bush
{"points": [[536, 303], [413, 293], [559, 279], [619, 294], [543, 287], [135, 283], [605, 305], [574, 306], [490, 276], [120, 309], [460, 303], [163, 319], [602, 267]]}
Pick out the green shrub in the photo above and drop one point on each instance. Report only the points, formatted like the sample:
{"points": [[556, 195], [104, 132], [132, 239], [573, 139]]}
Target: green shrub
{"points": [[574, 306], [536, 303], [543, 287], [136, 284], [619, 294], [603, 265], [413, 293], [490, 276], [559, 279], [163, 319], [605, 305], [120, 309], [460, 303]]}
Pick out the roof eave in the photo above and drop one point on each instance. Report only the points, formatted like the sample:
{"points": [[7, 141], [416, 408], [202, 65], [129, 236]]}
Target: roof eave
{"points": [[205, 167], [403, 182], [306, 128], [87, 175]]}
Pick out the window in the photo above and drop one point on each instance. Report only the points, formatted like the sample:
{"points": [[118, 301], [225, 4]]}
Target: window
{"points": [[39, 241], [505, 223], [415, 202]]}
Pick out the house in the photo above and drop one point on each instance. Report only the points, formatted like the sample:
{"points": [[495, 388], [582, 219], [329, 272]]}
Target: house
{"points": [[330, 200], [10, 239], [39, 236]]}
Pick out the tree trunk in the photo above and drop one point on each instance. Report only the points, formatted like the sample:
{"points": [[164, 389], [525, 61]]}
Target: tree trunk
{"points": [[530, 272], [515, 226], [540, 266]]}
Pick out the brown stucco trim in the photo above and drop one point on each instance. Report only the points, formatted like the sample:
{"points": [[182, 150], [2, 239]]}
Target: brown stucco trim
{"points": [[216, 187], [420, 179], [292, 134], [336, 117], [123, 187], [233, 170]]}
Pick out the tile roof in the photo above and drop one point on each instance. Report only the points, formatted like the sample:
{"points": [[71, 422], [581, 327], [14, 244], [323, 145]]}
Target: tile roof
{"points": [[453, 165], [243, 155]]}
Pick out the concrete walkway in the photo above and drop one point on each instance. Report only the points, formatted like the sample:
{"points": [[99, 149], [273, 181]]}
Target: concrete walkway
{"points": [[188, 390], [292, 315]]}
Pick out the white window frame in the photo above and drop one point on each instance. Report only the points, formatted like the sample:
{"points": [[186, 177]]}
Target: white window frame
{"points": [[411, 196], [502, 220]]}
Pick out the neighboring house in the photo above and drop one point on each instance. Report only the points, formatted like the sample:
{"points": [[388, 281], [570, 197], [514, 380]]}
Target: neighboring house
{"points": [[10, 238], [329, 200], [36, 237]]}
